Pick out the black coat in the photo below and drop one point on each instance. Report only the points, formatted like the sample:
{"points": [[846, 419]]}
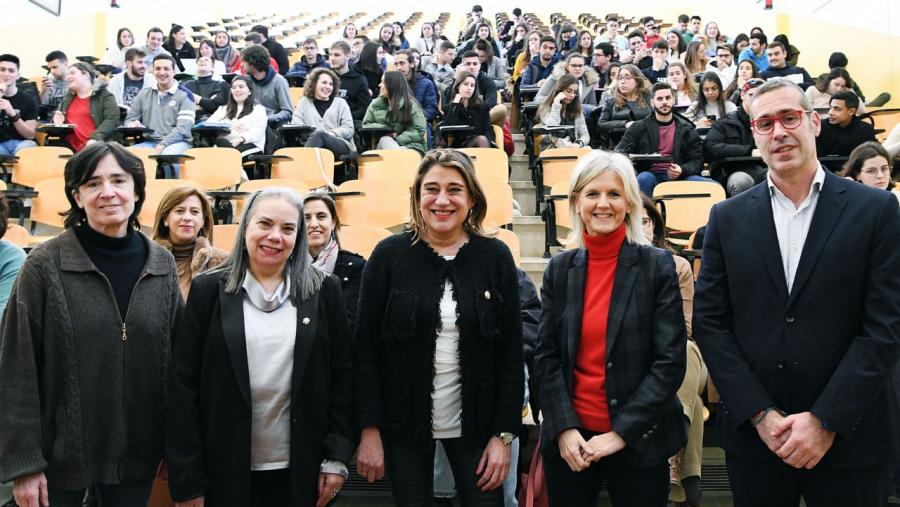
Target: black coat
{"points": [[643, 138], [278, 53], [835, 140], [613, 118], [829, 345], [209, 412], [486, 88], [349, 270], [477, 116], [397, 327], [730, 136], [645, 351], [355, 90], [214, 93]]}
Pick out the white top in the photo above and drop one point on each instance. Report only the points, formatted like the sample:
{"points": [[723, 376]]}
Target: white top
{"points": [[446, 397], [270, 340], [251, 127], [792, 223]]}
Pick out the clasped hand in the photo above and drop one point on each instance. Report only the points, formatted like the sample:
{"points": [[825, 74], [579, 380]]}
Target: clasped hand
{"points": [[798, 439], [579, 453]]}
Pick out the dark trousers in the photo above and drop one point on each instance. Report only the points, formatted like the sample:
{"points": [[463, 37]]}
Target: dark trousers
{"points": [[410, 468], [627, 485], [270, 487], [776, 484], [126, 494]]}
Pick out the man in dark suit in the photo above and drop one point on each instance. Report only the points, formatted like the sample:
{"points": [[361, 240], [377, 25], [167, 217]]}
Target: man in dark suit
{"points": [[796, 313]]}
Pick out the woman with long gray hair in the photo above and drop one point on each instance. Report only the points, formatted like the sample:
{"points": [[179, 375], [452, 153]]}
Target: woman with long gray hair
{"points": [[262, 334]]}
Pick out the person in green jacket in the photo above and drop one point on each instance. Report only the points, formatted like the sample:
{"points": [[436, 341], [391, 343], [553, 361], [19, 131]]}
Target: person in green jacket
{"points": [[87, 105], [397, 109]]}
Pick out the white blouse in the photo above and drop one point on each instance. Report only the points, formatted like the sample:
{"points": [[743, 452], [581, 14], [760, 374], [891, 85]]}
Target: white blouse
{"points": [[446, 397]]}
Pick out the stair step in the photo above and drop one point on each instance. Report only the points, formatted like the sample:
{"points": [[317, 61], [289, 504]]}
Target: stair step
{"points": [[523, 193], [535, 267]]}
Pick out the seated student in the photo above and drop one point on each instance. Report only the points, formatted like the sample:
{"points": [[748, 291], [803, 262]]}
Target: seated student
{"points": [[778, 67], [115, 54], [611, 34], [54, 84], [356, 47], [427, 45], [532, 47], [676, 44], [467, 108], [276, 50], [492, 65], [541, 64], [732, 136], [746, 70], [576, 66], [685, 88], [207, 48], [167, 109], [400, 41], [18, 110], [87, 105], [482, 33], [178, 46], [723, 65], [869, 164], [838, 59], [471, 63], [250, 40], [666, 134], [710, 104], [422, 87], [516, 44], [843, 131], [322, 108], [695, 57], [659, 66], [629, 101], [563, 107], [637, 52], [245, 116], [756, 51], [601, 62], [271, 88], [369, 67], [209, 93], [837, 80], [225, 51], [310, 60], [154, 46], [354, 88], [440, 69], [396, 109], [127, 84]]}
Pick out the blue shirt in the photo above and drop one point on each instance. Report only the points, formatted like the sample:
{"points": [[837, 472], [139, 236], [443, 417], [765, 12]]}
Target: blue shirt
{"points": [[762, 62]]}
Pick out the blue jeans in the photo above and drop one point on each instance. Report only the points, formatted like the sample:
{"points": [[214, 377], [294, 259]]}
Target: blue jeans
{"points": [[647, 180], [172, 149], [13, 146]]}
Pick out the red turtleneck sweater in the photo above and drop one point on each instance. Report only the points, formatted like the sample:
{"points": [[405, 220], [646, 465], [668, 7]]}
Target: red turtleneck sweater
{"points": [[589, 396]]}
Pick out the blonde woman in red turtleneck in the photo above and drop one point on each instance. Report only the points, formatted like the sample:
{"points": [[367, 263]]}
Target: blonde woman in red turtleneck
{"points": [[610, 354]]}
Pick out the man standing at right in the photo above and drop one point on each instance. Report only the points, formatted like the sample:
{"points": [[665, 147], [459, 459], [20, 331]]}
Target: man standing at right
{"points": [[798, 317]]}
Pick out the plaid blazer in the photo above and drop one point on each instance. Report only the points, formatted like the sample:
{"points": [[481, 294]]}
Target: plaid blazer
{"points": [[645, 351]]}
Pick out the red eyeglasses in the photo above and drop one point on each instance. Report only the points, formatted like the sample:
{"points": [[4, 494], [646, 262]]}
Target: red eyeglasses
{"points": [[789, 120]]}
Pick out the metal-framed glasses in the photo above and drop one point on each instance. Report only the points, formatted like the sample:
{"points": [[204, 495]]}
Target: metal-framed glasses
{"points": [[788, 119]]}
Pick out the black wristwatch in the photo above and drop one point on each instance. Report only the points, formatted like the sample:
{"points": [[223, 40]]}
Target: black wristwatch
{"points": [[14, 118]]}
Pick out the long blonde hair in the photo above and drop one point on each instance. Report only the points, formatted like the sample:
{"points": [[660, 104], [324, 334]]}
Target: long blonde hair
{"points": [[589, 167]]}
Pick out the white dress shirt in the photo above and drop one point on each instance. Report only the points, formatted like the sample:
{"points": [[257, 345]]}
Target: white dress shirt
{"points": [[792, 223]]}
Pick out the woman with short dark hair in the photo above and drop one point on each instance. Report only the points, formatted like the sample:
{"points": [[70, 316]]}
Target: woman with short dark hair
{"points": [[260, 384], [438, 352], [86, 341]]}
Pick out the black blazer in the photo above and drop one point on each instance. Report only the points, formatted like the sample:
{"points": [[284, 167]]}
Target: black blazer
{"points": [[397, 326], [349, 270], [645, 351], [643, 138], [829, 345], [209, 412]]}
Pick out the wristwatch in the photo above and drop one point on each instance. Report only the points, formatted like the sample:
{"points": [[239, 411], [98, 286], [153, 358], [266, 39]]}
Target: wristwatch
{"points": [[505, 437]]}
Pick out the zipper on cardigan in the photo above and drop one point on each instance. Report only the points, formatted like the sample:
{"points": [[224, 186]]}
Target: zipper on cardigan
{"points": [[124, 332], [130, 300]]}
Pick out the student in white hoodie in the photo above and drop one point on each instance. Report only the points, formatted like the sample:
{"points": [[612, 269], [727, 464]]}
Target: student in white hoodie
{"points": [[127, 84]]}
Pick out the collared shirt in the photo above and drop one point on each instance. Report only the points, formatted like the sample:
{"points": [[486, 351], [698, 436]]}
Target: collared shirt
{"points": [[792, 223]]}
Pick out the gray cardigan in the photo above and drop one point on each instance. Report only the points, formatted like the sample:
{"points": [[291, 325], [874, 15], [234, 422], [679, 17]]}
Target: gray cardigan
{"points": [[337, 119], [82, 401]]}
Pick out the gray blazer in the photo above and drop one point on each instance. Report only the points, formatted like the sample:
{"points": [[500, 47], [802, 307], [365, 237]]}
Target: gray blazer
{"points": [[337, 119]]}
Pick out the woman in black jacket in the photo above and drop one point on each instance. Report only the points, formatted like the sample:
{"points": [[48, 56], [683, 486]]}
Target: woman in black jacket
{"points": [[178, 46], [611, 348], [438, 352], [322, 229], [467, 108], [629, 102], [259, 409]]}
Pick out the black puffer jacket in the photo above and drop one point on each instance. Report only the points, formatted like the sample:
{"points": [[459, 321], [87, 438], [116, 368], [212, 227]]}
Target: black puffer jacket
{"points": [[730, 136]]}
